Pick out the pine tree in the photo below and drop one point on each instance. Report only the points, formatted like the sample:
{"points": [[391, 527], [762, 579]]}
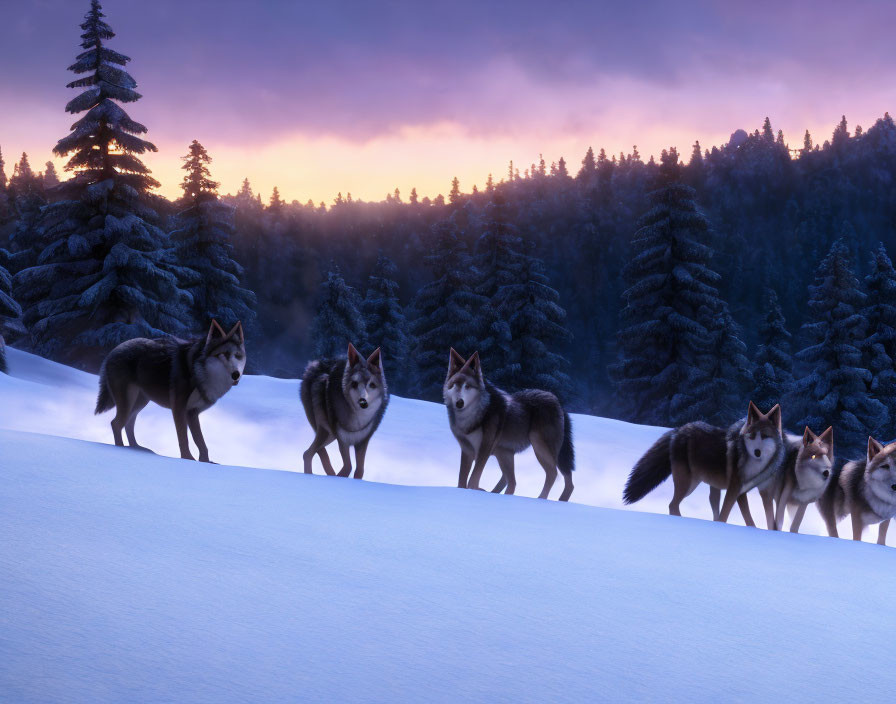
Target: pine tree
{"points": [[3, 180], [445, 311], [588, 172], [338, 320], [498, 261], [728, 372], [879, 345], [277, 203], [51, 178], [663, 340], [104, 274], [10, 311], [202, 241], [454, 194], [807, 142], [834, 387], [773, 360], [385, 322], [536, 320]]}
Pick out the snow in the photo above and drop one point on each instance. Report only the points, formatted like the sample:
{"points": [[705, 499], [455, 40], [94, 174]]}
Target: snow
{"points": [[130, 577]]}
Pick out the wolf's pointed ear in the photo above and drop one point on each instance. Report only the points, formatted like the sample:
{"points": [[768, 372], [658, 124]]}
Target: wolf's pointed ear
{"points": [[874, 447], [474, 363], [455, 362], [353, 356], [808, 436], [237, 331], [827, 437], [214, 331], [753, 413], [374, 359], [774, 416]]}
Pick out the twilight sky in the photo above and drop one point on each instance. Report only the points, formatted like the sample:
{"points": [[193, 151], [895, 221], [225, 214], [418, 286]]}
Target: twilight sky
{"points": [[320, 97]]}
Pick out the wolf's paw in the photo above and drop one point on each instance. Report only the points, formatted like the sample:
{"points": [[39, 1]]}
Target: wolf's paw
{"points": [[344, 472], [142, 449], [206, 460]]}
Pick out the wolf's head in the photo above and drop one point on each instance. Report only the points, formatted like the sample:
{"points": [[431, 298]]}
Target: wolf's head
{"points": [[225, 352], [880, 471], [464, 384], [815, 459], [364, 381], [762, 432]]}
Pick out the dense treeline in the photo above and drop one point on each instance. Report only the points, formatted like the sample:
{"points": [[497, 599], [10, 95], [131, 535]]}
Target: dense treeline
{"points": [[657, 291]]}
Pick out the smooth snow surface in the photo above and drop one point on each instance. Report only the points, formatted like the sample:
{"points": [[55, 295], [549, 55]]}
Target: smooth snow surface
{"points": [[126, 577]]}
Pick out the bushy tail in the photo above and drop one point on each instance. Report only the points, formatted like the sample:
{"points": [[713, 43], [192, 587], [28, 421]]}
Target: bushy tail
{"points": [[104, 400], [650, 471], [566, 461]]}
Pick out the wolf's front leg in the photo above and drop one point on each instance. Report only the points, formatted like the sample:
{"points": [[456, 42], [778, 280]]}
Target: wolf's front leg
{"points": [[360, 454], [797, 518], [781, 509], [882, 532], [180, 425], [196, 431], [345, 451], [768, 504], [731, 495], [466, 463], [857, 526]]}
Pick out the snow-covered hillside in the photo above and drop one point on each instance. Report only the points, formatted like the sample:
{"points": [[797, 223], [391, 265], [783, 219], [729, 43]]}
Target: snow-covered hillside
{"points": [[130, 577]]}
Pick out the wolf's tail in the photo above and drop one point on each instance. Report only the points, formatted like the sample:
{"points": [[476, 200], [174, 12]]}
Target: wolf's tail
{"points": [[566, 461], [104, 400], [650, 471]]}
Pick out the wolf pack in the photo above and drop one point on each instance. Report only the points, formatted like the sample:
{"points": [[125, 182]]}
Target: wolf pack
{"points": [[345, 400]]}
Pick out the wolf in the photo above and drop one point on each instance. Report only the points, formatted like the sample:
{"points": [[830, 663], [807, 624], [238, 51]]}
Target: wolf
{"points": [[864, 489], [487, 421], [735, 459], [345, 400], [804, 476], [187, 376]]}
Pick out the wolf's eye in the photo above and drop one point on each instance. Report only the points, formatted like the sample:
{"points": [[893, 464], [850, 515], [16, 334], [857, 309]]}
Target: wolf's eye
{"points": [[372, 385], [354, 384], [813, 457]]}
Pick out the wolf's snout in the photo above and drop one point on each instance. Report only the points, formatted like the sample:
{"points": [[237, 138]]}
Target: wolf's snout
{"points": [[757, 452], [459, 403], [825, 474], [235, 376], [363, 403]]}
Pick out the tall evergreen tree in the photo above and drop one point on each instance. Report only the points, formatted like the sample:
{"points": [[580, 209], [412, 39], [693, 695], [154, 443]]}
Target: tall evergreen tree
{"points": [[51, 178], [879, 345], [202, 241], [338, 320], [444, 311], [663, 340], [3, 179], [10, 311], [729, 374], [773, 360], [385, 322], [104, 274], [498, 262], [537, 330], [833, 389]]}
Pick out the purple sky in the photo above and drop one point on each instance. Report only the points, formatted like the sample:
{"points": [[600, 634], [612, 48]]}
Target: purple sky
{"points": [[364, 96]]}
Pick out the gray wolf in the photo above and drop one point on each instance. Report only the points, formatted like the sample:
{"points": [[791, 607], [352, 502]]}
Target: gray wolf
{"points": [[865, 490], [345, 400], [487, 421], [187, 376], [736, 459], [804, 476]]}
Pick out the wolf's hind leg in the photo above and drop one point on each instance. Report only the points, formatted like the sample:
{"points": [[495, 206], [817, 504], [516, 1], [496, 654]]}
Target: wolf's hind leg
{"points": [[125, 397], [715, 499], [744, 503], [857, 526], [567, 486], [682, 486], [140, 404], [508, 478], [321, 436]]}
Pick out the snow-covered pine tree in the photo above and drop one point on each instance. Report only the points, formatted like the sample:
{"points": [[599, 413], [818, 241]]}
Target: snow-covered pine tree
{"points": [[202, 241], [773, 360], [879, 345], [338, 320], [498, 261], [385, 322], [729, 374], [663, 341], [103, 275], [444, 311], [833, 389], [10, 311], [532, 310]]}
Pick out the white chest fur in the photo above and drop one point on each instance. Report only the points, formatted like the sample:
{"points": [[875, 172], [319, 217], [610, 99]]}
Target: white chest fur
{"points": [[359, 428], [214, 382]]}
